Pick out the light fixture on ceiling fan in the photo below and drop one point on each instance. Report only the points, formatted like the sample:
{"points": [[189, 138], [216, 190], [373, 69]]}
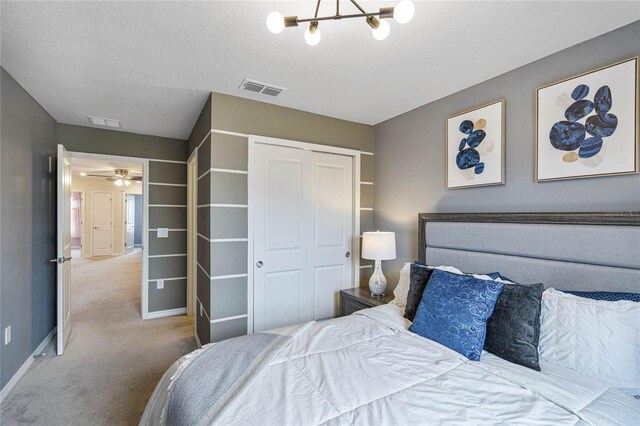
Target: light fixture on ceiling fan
{"points": [[120, 177], [402, 12]]}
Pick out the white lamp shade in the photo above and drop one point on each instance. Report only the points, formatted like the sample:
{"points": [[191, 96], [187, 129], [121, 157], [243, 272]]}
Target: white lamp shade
{"points": [[379, 245]]}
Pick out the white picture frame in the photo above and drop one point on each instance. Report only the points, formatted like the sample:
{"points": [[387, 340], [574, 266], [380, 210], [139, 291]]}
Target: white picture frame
{"points": [[475, 147], [587, 125]]}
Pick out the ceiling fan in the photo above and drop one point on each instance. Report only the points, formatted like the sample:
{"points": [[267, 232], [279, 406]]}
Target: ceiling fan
{"points": [[119, 177]]}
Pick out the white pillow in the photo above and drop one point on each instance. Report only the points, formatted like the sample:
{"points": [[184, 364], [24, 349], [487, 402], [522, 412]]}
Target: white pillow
{"points": [[404, 282], [402, 288], [595, 337]]}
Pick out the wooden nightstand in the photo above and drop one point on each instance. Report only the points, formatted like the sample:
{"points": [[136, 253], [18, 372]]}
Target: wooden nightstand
{"points": [[355, 299]]}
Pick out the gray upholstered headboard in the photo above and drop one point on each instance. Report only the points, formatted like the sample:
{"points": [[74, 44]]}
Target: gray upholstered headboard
{"points": [[566, 251]]}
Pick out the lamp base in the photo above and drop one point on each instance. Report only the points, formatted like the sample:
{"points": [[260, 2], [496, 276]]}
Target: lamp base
{"points": [[377, 282]]}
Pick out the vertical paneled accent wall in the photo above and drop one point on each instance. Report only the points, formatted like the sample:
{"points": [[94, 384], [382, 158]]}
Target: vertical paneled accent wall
{"points": [[366, 209], [223, 196], [167, 256], [167, 202]]}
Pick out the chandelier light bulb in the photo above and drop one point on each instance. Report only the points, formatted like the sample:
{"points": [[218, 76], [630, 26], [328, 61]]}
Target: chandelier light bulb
{"points": [[382, 31], [127, 183], [404, 11], [118, 182], [312, 35], [275, 22]]}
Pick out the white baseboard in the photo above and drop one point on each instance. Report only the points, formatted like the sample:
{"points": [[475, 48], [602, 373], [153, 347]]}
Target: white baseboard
{"points": [[198, 341], [167, 313], [23, 369]]}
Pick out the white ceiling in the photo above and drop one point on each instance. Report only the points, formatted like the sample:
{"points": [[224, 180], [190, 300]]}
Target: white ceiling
{"points": [[151, 64], [84, 165]]}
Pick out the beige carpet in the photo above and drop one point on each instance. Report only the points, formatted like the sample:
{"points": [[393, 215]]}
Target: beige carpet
{"points": [[113, 359]]}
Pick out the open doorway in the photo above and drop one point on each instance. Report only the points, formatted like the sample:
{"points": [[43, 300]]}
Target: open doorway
{"points": [[106, 208], [108, 215], [133, 222]]}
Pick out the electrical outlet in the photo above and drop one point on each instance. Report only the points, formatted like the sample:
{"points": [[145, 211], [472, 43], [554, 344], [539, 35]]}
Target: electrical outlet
{"points": [[160, 284], [7, 335]]}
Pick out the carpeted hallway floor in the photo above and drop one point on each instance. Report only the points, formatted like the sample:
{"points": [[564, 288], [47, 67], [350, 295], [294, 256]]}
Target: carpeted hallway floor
{"points": [[113, 359]]}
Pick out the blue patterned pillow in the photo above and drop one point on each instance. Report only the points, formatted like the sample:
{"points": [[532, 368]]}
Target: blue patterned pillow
{"points": [[610, 296], [454, 310]]}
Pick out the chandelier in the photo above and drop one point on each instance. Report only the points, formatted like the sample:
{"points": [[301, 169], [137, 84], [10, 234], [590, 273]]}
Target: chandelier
{"points": [[402, 13]]}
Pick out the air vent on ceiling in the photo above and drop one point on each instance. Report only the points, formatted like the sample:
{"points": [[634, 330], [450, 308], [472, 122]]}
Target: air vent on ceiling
{"points": [[105, 122], [258, 87]]}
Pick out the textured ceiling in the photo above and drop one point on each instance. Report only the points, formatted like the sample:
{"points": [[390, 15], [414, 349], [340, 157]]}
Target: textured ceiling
{"points": [[151, 64], [84, 165]]}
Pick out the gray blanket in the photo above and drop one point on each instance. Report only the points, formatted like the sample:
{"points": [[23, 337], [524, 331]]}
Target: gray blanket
{"points": [[203, 388]]}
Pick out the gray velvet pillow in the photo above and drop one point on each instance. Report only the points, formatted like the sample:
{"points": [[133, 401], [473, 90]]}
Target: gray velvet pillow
{"points": [[418, 277], [513, 330]]}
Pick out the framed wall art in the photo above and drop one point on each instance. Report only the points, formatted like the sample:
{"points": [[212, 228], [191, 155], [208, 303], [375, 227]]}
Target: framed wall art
{"points": [[587, 126], [475, 147]]}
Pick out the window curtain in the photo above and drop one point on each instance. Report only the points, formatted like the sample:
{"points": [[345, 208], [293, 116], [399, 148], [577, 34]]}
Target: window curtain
{"points": [[76, 201]]}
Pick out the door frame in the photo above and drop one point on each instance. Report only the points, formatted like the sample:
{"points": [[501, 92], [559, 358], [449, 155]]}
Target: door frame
{"points": [[347, 152], [144, 284], [192, 235], [111, 253], [82, 219]]}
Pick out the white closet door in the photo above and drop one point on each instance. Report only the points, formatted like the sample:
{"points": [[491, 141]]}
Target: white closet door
{"points": [[102, 223], [333, 230], [283, 287], [302, 205]]}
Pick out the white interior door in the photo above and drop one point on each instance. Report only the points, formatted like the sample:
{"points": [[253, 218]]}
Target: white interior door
{"points": [[302, 205], [130, 222], [102, 223], [333, 230], [63, 259]]}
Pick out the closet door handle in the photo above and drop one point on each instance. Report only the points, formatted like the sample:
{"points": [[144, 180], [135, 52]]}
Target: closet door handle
{"points": [[347, 254], [259, 264]]}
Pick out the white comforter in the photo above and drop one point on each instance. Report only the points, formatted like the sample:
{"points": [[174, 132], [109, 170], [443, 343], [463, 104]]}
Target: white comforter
{"points": [[368, 369]]}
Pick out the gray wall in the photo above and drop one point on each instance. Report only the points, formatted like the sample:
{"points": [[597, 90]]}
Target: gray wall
{"points": [[28, 226], [409, 149], [223, 298], [167, 202], [139, 218]]}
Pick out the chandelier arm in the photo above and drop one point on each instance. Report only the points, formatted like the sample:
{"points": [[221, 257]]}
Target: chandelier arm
{"points": [[334, 17], [317, 9], [355, 3]]}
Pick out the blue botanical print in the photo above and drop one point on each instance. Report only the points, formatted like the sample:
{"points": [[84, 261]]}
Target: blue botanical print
{"points": [[569, 134], [470, 157]]}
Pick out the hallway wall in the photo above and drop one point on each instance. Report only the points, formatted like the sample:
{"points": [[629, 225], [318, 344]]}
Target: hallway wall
{"points": [[27, 224]]}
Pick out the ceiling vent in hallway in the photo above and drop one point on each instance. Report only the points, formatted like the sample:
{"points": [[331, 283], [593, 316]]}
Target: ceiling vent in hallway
{"points": [[105, 122], [258, 87]]}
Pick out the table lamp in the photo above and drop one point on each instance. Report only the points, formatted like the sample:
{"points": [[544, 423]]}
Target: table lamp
{"points": [[378, 246]]}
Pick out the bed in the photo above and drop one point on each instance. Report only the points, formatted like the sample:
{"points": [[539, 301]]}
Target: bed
{"points": [[367, 368]]}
